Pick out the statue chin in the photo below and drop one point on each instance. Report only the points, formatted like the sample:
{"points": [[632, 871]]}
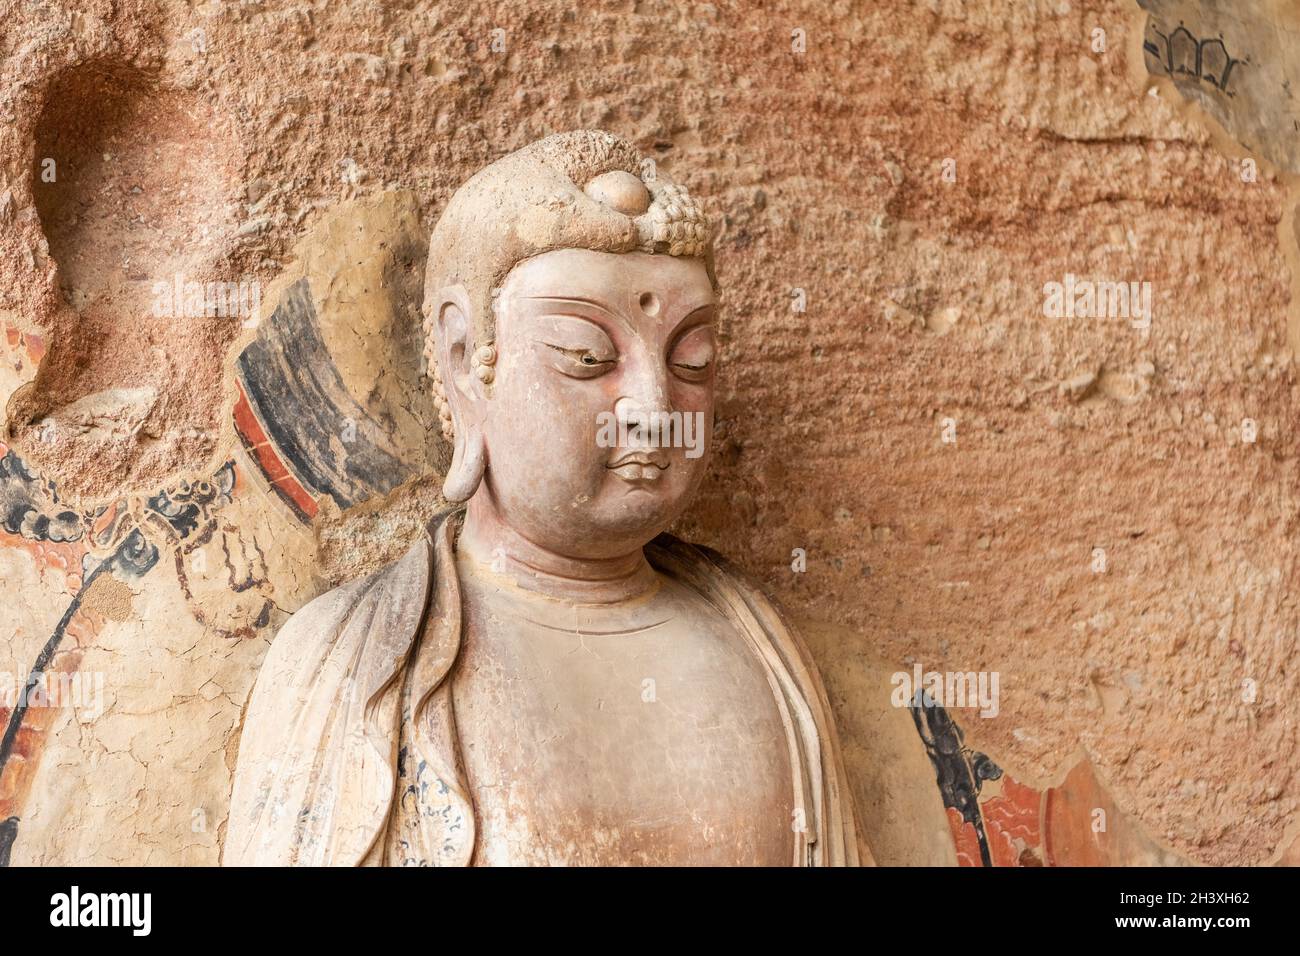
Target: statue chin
{"points": [[616, 521], [613, 531]]}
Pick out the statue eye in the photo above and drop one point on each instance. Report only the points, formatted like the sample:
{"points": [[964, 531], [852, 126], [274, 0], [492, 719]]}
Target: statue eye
{"points": [[691, 357], [581, 363], [575, 346], [691, 373]]}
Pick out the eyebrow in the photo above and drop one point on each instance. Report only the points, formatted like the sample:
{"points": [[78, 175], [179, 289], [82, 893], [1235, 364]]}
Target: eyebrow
{"points": [[578, 300], [610, 313], [686, 319]]}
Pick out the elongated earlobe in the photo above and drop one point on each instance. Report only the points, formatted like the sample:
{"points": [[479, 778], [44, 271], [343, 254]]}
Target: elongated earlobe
{"points": [[469, 458], [468, 464]]}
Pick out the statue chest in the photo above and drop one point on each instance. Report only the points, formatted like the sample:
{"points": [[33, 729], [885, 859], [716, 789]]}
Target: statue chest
{"points": [[619, 735]]}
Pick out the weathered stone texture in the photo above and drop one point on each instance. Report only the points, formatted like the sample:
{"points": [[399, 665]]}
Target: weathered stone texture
{"points": [[216, 140]]}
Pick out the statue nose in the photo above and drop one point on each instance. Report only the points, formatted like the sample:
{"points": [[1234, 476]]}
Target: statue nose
{"points": [[632, 412], [646, 393]]}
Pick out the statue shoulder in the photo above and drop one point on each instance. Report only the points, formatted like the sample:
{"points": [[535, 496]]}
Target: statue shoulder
{"points": [[315, 770], [697, 562], [729, 588], [383, 605], [835, 839]]}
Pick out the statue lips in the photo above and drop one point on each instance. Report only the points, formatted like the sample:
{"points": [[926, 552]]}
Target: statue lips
{"points": [[639, 466]]}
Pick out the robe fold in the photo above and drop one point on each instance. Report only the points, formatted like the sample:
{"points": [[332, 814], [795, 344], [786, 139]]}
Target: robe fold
{"points": [[320, 780]]}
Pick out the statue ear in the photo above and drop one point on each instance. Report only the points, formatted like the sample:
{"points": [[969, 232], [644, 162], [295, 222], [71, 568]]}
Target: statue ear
{"points": [[469, 459]]}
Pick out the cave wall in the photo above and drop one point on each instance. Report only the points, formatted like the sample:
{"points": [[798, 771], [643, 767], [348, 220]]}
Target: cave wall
{"points": [[1099, 510]]}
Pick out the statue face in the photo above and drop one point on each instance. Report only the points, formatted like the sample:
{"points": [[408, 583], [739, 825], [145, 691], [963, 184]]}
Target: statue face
{"points": [[601, 417]]}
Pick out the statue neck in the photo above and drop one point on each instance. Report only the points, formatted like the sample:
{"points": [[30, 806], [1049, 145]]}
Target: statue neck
{"points": [[503, 551]]}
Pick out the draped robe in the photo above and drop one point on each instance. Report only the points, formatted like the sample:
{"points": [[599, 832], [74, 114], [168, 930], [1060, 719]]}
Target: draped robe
{"points": [[369, 664]]}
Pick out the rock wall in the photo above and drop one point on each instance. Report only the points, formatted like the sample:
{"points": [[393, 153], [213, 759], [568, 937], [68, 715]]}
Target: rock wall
{"points": [[1100, 510]]}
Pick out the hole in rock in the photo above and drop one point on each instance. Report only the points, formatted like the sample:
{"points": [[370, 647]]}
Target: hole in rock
{"points": [[135, 185]]}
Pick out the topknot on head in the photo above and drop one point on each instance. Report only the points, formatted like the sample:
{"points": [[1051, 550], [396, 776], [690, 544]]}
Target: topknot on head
{"points": [[586, 189]]}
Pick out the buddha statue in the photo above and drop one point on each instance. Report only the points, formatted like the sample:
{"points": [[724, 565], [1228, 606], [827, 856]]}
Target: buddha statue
{"points": [[548, 678]]}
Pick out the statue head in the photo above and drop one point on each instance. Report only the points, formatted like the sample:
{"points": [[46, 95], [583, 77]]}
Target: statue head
{"points": [[569, 312]]}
